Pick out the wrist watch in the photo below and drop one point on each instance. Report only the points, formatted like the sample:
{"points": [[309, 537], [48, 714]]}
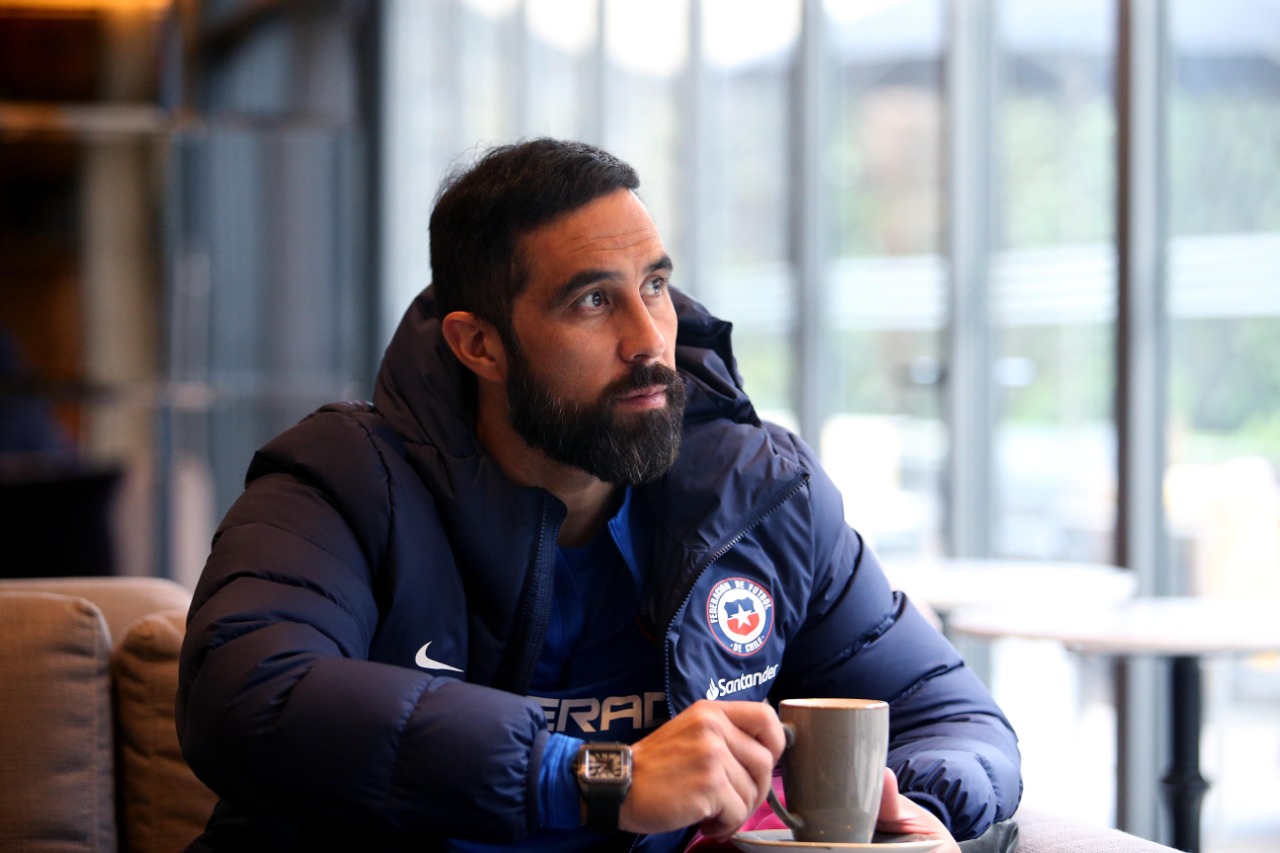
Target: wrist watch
{"points": [[604, 778]]}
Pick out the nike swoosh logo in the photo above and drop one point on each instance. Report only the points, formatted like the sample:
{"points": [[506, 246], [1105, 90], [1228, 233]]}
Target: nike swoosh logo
{"points": [[425, 662]]}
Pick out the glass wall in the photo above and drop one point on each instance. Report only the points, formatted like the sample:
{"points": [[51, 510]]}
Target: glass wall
{"points": [[1053, 281], [1039, 110], [884, 439], [1223, 142], [743, 185], [1224, 297], [1052, 306], [646, 71]]}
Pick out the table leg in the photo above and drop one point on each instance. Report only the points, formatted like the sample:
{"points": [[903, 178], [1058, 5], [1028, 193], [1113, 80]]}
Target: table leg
{"points": [[1184, 787]]}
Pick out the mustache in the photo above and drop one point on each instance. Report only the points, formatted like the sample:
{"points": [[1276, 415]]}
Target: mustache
{"points": [[643, 376]]}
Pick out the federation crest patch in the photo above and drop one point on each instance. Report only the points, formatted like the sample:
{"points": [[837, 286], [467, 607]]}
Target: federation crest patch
{"points": [[740, 615]]}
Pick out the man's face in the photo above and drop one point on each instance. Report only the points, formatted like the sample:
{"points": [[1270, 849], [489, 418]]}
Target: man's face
{"points": [[591, 379]]}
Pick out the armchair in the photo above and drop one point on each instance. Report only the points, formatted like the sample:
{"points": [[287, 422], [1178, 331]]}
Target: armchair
{"points": [[89, 757]]}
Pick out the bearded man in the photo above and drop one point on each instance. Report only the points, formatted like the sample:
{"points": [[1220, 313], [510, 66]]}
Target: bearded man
{"points": [[559, 538]]}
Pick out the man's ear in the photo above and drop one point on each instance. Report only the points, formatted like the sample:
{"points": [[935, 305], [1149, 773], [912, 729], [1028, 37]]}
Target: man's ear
{"points": [[477, 344]]}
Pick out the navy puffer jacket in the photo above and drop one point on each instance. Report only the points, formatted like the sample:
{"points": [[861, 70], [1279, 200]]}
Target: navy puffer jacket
{"points": [[370, 538]]}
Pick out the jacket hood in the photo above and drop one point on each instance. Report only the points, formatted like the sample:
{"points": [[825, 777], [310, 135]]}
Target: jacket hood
{"points": [[429, 397]]}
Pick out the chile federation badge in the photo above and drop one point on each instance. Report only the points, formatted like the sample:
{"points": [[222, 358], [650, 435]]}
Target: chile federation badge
{"points": [[740, 615]]}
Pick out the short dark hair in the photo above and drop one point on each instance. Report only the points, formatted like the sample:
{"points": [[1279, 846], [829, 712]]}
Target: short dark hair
{"points": [[481, 212]]}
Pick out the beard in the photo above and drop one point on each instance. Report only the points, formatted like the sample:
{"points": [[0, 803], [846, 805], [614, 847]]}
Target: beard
{"points": [[624, 450]]}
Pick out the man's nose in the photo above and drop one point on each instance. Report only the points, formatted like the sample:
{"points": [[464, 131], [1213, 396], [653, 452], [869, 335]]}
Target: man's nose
{"points": [[641, 337]]}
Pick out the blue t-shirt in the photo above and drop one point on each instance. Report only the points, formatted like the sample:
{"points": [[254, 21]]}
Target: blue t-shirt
{"points": [[599, 676]]}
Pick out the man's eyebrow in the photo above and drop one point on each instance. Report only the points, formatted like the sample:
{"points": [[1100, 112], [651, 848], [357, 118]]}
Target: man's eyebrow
{"points": [[662, 263], [586, 278]]}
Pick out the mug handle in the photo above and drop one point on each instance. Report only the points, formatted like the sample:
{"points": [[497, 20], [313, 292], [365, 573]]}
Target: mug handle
{"points": [[792, 820]]}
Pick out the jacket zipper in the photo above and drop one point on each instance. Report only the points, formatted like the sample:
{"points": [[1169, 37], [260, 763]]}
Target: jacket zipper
{"points": [[759, 517], [786, 495], [531, 619]]}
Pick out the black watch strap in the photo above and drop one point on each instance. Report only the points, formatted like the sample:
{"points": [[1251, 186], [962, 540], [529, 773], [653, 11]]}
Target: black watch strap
{"points": [[604, 809], [604, 778]]}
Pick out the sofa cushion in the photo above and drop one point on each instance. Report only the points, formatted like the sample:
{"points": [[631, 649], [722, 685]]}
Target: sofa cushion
{"points": [[56, 763], [163, 806]]}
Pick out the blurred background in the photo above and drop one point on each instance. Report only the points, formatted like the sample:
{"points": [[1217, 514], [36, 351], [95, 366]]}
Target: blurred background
{"points": [[1013, 266]]}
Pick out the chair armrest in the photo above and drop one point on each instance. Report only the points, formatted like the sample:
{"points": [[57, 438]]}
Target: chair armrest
{"points": [[1045, 832]]}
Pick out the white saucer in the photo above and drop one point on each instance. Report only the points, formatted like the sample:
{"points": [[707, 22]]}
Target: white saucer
{"points": [[772, 840]]}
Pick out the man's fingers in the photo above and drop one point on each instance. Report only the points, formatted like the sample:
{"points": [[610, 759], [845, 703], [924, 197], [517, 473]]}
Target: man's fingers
{"points": [[710, 764], [750, 735], [759, 721], [890, 807], [900, 815]]}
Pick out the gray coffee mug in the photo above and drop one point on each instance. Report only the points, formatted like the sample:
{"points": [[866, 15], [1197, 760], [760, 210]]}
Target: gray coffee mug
{"points": [[833, 770]]}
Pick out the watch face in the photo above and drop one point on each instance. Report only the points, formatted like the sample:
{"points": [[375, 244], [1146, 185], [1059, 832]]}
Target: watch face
{"points": [[604, 764]]}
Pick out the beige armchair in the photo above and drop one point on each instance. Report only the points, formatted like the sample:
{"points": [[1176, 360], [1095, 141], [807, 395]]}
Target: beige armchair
{"points": [[89, 756]]}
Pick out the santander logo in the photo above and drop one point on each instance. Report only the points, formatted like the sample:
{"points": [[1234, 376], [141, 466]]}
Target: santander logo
{"points": [[728, 686]]}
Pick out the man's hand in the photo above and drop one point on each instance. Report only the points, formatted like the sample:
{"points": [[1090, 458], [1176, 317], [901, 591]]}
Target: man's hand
{"points": [[710, 765], [901, 816]]}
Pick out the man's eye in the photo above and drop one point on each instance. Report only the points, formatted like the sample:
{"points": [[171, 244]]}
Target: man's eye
{"points": [[594, 299], [656, 285]]}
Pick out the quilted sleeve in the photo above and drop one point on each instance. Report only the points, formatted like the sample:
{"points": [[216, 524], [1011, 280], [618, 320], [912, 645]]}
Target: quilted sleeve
{"points": [[279, 707]]}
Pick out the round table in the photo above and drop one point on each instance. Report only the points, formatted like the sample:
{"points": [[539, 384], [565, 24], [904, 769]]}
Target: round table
{"points": [[948, 584], [1181, 630]]}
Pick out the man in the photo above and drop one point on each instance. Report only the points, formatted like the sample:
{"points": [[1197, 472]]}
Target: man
{"points": [[559, 535]]}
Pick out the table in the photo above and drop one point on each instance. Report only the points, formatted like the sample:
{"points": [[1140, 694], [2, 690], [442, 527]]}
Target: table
{"points": [[949, 584], [1180, 630]]}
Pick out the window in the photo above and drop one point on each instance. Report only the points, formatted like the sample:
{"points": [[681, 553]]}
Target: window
{"points": [[884, 438], [743, 183], [1052, 281], [1222, 500]]}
